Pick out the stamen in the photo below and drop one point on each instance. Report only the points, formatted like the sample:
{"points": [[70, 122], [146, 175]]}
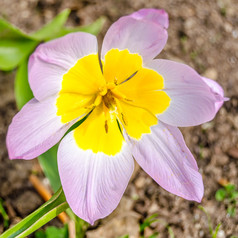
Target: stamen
{"points": [[90, 107], [129, 77], [107, 117], [103, 91], [124, 119], [98, 100], [119, 110], [100, 63], [120, 96], [106, 126]]}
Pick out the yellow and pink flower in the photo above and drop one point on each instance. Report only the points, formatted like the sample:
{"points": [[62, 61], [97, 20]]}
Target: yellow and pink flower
{"points": [[132, 105]]}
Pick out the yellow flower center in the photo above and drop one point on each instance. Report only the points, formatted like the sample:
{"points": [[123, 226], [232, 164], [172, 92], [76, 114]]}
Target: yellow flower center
{"points": [[123, 94]]}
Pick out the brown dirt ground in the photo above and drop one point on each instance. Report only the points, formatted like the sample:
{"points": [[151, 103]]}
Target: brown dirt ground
{"points": [[202, 34]]}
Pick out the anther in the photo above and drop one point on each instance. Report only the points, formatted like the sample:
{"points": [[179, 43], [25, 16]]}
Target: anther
{"points": [[120, 96], [98, 100], [106, 126], [103, 91], [124, 119]]}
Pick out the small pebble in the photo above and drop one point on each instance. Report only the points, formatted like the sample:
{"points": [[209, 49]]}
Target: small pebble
{"points": [[221, 234]]}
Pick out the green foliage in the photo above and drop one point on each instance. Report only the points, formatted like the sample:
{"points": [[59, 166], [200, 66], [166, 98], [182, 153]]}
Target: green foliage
{"points": [[213, 232], [146, 223], [223, 11], [23, 91], [194, 55], [48, 162], [38, 218], [228, 195], [81, 227], [220, 194], [94, 28], [171, 233], [4, 215], [53, 232], [56, 27], [13, 52], [15, 45], [50, 30]]}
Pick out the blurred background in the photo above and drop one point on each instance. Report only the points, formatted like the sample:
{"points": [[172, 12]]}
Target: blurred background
{"points": [[202, 34]]}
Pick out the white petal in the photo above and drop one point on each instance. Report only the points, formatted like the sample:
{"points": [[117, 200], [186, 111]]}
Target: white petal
{"points": [[35, 129], [192, 100], [93, 183], [165, 157]]}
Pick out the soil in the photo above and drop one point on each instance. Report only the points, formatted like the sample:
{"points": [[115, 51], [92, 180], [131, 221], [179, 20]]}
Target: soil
{"points": [[202, 34]]}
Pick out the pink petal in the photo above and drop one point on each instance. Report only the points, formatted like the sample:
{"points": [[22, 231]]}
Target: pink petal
{"points": [[218, 92], [35, 129], [192, 100], [158, 16], [52, 60], [165, 157], [93, 183], [139, 35]]}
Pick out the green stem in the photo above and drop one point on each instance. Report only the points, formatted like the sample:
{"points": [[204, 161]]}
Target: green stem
{"points": [[81, 227], [40, 217]]}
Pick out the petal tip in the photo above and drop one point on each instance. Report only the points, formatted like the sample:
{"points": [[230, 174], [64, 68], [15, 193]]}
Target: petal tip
{"points": [[158, 16], [199, 196]]}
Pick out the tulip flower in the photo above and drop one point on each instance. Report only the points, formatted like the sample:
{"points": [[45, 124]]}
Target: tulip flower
{"points": [[131, 105]]}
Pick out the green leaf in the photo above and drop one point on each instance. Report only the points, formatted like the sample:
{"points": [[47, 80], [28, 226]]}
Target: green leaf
{"points": [[216, 230], [14, 45], [155, 235], [53, 232], [231, 210], [208, 218], [93, 28], [234, 195], [220, 194], [4, 214], [48, 162], [8, 31], [171, 233], [38, 218], [81, 227], [22, 88], [148, 221], [230, 188], [12, 52], [40, 234], [50, 30]]}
